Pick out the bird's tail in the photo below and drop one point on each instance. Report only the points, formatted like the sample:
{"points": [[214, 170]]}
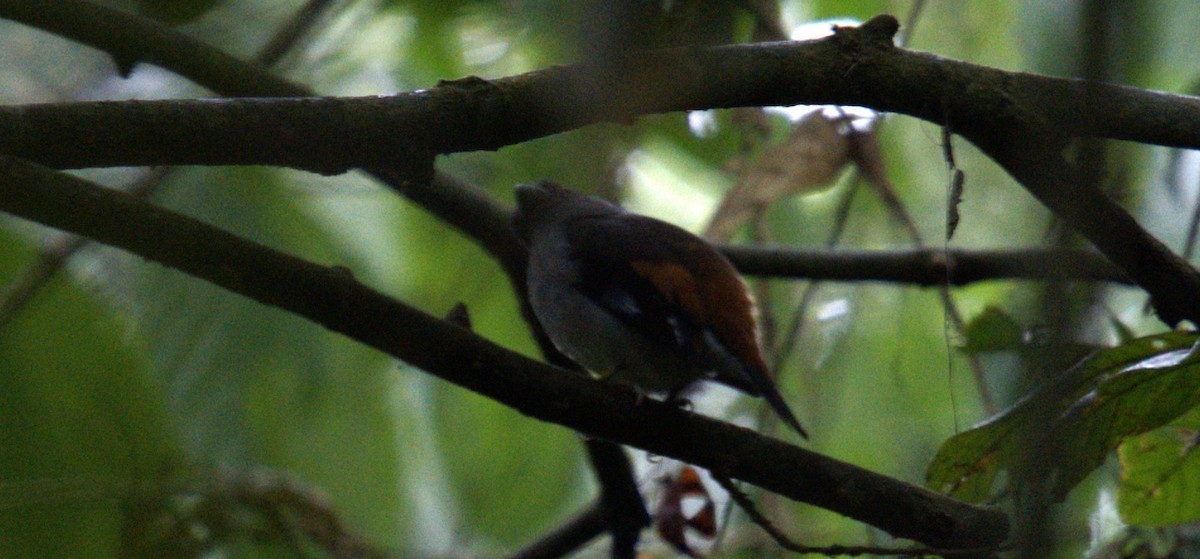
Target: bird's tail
{"points": [[766, 388], [750, 379]]}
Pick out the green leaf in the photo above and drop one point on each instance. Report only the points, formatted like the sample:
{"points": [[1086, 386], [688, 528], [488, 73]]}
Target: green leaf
{"points": [[1160, 471], [1141, 397], [1111, 394], [967, 464]]}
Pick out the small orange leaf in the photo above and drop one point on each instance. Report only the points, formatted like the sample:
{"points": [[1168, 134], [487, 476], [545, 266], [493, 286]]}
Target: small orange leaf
{"points": [[671, 522]]}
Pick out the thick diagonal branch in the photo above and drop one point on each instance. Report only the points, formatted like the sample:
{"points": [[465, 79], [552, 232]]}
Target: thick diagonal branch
{"points": [[853, 67], [331, 297]]}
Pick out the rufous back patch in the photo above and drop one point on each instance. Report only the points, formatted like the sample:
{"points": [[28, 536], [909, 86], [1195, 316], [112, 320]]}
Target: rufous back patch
{"points": [[676, 284], [722, 306]]}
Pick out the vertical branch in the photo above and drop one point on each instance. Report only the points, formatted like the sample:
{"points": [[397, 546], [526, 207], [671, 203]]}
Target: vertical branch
{"points": [[1034, 501]]}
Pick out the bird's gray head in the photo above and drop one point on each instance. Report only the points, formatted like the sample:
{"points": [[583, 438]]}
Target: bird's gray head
{"points": [[545, 203]]}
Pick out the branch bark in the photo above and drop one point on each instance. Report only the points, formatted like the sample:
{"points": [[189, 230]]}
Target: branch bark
{"points": [[569, 536], [857, 66], [331, 297], [926, 267]]}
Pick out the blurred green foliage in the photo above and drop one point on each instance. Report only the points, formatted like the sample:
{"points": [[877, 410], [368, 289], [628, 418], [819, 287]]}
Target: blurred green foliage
{"points": [[120, 377]]}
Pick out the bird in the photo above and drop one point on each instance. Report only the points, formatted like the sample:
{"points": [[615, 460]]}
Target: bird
{"points": [[639, 300]]}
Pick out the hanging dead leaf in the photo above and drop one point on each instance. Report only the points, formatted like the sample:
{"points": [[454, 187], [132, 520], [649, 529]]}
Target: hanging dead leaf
{"points": [[812, 157], [671, 520]]}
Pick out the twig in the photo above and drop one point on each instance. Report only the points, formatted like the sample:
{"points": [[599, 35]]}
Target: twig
{"points": [[743, 501], [926, 267], [288, 35], [841, 218], [955, 326], [904, 38], [568, 536]]}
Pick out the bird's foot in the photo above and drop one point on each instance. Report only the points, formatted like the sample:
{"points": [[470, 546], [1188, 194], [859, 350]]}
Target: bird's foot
{"points": [[611, 378], [678, 400]]}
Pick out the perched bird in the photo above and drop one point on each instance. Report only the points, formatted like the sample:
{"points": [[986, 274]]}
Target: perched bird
{"points": [[637, 299]]}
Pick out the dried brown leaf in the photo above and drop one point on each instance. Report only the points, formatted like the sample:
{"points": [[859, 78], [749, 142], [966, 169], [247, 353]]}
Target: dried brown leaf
{"points": [[811, 158]]}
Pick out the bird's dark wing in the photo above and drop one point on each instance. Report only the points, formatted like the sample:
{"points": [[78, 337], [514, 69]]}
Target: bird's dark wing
{"points": [[649, 274], [677, 289]]}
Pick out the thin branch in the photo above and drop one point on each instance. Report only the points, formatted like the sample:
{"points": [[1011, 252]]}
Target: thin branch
{"points": [[18, 292], [955, 326], [625, 512], [758, 518], [568, 536], [336, 134], [904, 38], [301, 22], [809, 292], [331, 297], [925, 267]]}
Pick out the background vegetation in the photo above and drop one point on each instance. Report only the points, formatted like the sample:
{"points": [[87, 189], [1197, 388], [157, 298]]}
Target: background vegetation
{"points": [[144, 409]]}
